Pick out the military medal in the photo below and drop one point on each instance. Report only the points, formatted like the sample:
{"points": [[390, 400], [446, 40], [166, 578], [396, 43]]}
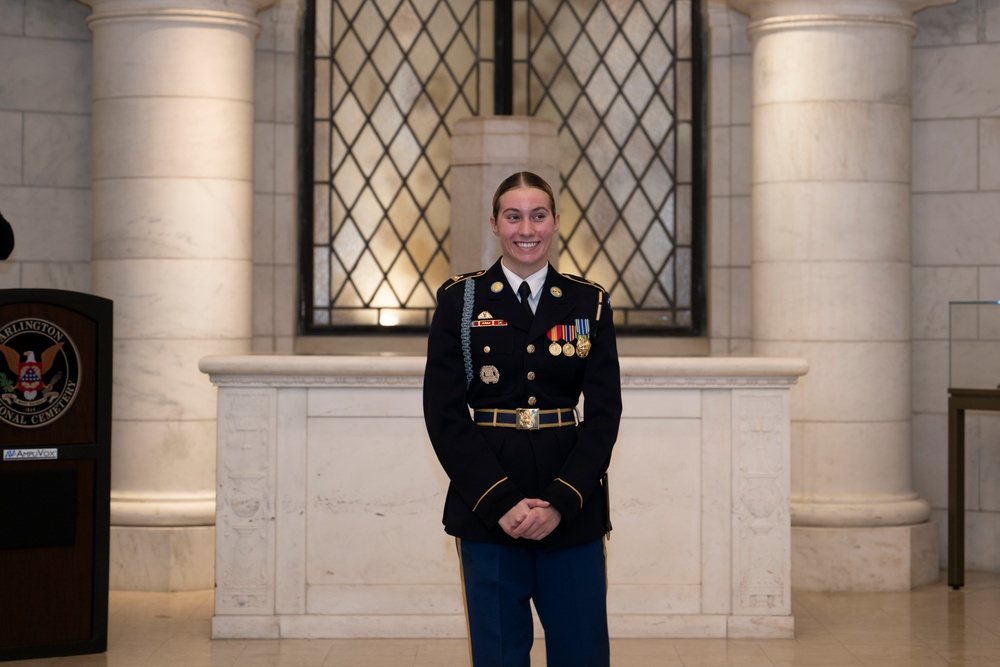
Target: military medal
{"points": [[555, 349], [583, 343], [568, 349]]}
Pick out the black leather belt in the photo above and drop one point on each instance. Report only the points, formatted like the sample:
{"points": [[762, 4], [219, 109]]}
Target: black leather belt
{"points": [[525, 419]]}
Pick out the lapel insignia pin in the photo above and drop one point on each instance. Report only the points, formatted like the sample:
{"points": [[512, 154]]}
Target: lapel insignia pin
{"points": [[496, 287]]}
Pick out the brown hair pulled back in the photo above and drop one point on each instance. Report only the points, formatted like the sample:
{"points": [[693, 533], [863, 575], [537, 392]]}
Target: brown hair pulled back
{"points": [[523, 179]]}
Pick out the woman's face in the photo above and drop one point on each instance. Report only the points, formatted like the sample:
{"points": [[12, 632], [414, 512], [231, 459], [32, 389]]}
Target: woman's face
{"points": [[525, 225]]}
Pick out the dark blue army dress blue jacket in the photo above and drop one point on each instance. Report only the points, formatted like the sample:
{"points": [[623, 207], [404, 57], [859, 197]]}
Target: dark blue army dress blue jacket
{"points": [[485, 353]]}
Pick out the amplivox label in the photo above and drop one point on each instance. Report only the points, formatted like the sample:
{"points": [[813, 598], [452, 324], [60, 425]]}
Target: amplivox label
{"points": [[30, 454]]}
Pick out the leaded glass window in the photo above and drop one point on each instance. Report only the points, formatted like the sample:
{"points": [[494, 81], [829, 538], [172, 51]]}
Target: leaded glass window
{"points": [[389, 78]]}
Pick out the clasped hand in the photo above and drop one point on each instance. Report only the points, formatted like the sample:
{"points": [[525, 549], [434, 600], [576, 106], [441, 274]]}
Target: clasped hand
{"points": [[532, 519]]}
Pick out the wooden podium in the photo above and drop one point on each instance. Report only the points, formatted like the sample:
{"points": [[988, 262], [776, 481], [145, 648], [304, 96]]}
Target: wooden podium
{"points": [[55, 472]]}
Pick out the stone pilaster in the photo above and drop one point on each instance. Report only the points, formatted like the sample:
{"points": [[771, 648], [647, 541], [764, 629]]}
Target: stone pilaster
{"points": [[173, 128], [831, 280]]}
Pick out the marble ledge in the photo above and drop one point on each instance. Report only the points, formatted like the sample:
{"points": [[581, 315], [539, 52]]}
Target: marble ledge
{"points": [[407, 371]]}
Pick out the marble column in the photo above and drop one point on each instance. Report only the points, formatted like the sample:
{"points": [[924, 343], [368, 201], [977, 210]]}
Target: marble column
{"points": [[831, 279], [173, 128]]}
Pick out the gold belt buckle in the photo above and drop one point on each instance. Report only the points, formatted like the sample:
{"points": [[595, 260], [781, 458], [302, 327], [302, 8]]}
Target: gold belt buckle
{"points": [[527, 419]]}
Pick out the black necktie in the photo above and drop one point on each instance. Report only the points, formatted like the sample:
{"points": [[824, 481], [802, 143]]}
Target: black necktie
{"points": [[525, 292]]}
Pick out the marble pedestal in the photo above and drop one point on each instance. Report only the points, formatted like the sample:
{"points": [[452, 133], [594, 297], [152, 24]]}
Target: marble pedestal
{"points": [[330, 495]]}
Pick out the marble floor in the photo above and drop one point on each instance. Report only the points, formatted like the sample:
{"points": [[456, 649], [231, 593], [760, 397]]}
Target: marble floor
{"points": [[933, 626]]}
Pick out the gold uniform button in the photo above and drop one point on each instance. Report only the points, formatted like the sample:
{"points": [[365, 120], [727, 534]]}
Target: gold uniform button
{"points": [[531, 348], [531, 375], [532, 400], [486, 349]]}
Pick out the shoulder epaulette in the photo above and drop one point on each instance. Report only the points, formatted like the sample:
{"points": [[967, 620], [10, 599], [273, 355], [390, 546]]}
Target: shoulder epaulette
{"points": [[461, 278], [583, 281]]}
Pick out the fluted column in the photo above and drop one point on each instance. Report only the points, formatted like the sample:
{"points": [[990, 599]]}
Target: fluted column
{"points": [[173, 127], [831, 279]]}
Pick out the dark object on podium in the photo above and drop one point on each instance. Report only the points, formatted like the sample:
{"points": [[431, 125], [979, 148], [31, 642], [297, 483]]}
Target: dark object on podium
{"points": [[6, 238], [55, 472]]}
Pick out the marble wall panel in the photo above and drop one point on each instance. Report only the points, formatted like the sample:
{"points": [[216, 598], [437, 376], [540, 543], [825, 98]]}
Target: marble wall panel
{"points": [[720, 303], [12, 137], [953, 83], [943, 153], [761, 567], [51, 75], [372, 499], [932, 289], [291, 502], [661, 461], [717, 502], [951, 229], [245, 489], [12, 18], [51, 225], [989, 153], [264, 163], [48, 139], [56, 19], [989, 283], [991, 10], [955, 23], [379, 399], [930, 376], [930, 459], [720, 161]]}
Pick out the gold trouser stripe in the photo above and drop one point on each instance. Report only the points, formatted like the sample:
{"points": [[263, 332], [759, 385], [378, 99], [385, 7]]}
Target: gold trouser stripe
{"points": [[465, 601], [488, 492], [560, 479]]}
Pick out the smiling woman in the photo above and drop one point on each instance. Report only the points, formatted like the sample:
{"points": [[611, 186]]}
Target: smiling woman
{"points": [[519, 343]]}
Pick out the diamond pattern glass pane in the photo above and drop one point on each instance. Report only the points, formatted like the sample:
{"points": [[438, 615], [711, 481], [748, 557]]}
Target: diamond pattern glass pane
{"points": [[613, 88], [389, 78]]}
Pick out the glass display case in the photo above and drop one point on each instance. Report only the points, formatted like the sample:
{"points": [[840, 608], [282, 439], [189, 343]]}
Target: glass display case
{"points": [[973, 385], [974, 344]]}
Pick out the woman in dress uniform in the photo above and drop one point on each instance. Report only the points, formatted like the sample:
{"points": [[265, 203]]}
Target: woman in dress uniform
{"points": [[520, 343]]}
